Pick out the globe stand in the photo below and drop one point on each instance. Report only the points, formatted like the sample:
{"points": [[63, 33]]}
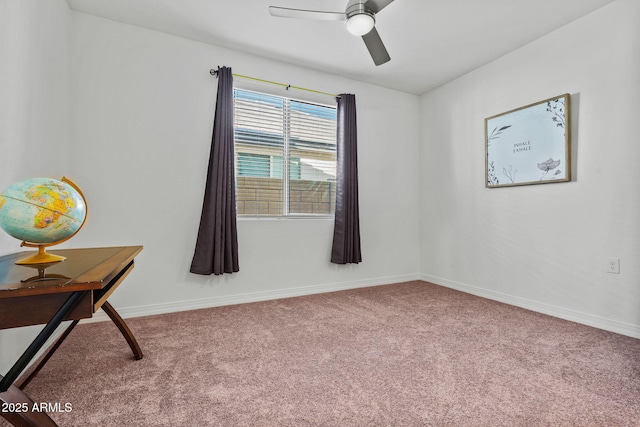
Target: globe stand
{"points": [[42, 273], [42, 257]]}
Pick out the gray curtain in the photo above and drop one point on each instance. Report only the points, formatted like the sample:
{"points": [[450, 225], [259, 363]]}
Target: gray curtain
{"points": [[217, 245], [346, 231]]}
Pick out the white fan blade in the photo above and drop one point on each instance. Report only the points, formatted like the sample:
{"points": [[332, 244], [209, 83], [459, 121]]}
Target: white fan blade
{"points": [[285, 12]]}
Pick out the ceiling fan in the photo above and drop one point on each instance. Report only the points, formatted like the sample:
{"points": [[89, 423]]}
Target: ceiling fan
{"points": [[360, 17]]}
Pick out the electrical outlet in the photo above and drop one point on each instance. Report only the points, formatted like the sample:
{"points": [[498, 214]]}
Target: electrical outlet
{"points": [[613, 266]]}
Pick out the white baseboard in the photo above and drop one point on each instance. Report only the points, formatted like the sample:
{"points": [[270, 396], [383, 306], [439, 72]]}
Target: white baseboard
{"points": [[172, 307], [551, 310]]}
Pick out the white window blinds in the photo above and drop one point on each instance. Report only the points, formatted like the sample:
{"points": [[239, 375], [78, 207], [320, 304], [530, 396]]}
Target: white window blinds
{"points": [[285, 153]]}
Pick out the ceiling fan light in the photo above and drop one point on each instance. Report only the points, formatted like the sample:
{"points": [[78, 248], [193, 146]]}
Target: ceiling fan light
{"points": [[360, 24]]}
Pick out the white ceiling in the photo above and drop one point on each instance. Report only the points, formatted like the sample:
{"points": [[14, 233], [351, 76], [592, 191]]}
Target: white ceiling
{"points": [[430, 41]]}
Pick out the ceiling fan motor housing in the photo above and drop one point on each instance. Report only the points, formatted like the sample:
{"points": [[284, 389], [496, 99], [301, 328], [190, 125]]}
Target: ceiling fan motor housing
{"points": [[360, 19]]}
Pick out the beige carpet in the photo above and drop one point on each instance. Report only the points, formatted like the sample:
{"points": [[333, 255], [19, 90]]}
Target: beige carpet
{"points": [[410, 354]]}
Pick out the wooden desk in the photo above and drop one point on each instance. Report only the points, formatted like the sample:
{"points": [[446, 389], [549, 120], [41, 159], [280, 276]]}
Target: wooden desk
{"points": [[73, 289]]}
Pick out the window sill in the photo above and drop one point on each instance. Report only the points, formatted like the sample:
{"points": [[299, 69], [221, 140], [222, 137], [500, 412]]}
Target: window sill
{"points": [[283, 217]]}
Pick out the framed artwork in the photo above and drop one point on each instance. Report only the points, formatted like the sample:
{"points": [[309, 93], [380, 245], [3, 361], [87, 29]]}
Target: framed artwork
{"points": [[529, 145]]}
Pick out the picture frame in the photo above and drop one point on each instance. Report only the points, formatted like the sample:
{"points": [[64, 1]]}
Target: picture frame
{"points": [[529, 145]]}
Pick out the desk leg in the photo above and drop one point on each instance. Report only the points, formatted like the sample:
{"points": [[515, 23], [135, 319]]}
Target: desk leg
{"points": [[50, 352], [124, 329], [19, 407]]}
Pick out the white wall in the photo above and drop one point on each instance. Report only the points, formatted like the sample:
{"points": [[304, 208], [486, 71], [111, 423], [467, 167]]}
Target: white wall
{"points": [[543, 247], [142, 104], [34, 112], [34, 92]]}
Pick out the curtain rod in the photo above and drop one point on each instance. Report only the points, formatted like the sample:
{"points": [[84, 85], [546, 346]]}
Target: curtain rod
{"points": [[213, 72]]}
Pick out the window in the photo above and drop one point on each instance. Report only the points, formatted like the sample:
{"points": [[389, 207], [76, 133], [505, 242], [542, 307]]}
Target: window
{"points": [[285, 153]]}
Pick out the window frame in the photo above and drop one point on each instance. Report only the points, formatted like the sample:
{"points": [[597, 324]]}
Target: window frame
{"points": [[320, 100]]}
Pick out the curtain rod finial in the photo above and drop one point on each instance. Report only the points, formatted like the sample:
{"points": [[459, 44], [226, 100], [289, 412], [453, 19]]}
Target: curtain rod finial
{"points": [[214, 72]]}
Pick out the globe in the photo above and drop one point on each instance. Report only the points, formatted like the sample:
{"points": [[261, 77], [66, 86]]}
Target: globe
{"points": [[42, 212]]}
